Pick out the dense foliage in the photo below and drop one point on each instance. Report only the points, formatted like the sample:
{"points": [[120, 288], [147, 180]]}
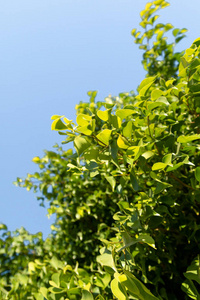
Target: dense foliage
{"points": [[127, 199]]}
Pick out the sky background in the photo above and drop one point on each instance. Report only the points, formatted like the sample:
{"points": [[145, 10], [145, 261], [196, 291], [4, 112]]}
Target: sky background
{"points": [[51, 53]]}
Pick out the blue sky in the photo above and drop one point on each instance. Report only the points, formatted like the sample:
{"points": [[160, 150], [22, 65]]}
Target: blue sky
{"points": [[51, 53]]}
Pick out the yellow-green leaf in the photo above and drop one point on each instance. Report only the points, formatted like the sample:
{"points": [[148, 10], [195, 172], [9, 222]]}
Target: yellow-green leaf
{"points": [[103, 115], [127, 131], [189, 138], [44, 292], [83, 120], [104, 136], [124, 113], [58, 125], [84, 129], [145, 85], [122, 142], [156, 93], [112, 181], [159, 166], [118, 290]]}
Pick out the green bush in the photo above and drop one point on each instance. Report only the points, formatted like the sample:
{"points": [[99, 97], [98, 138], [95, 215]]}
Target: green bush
{"points": [[127, 199]]}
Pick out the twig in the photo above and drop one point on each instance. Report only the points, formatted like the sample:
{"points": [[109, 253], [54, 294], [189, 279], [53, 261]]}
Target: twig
{"points": [[180, 181]]}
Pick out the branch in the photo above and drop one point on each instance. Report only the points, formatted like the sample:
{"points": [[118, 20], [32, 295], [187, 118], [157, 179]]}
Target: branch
{"points": [[180, 181]]}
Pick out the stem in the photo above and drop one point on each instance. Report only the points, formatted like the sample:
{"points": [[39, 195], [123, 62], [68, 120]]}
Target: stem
{"points": [[148, 123], [180, 181]]}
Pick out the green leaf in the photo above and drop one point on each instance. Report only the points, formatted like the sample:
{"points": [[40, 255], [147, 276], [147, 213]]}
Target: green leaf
{"points": [[145, 85], [127, 130], [159, 166], [103, 115], [104, 136], [148, 154], [114, 151], [176, 166], [132, 282], [116, 122], [161, 101], [183, 67], [106, 259], [122, 142], [55, 280], [147, 239], [102, 280], [81, 144], [130, 286], [156, 93], [197, 173], [186, 139], [118, 290], [112, 181], [167, 159], [175, 32], [127, 240], [91, 154], [189, 288], [134, 182], [83, 120], [23, 279], [133, 151], [86, 295], [74, 291], [37, 296], [57, 264], [85, 129], [58, 124], [124, 113], [54, 117], [197, 42], [193, 271], [56, 290], [44, 292], [3, 227], [36, 159]]}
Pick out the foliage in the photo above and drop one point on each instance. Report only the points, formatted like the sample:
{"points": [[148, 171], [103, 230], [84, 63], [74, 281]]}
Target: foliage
{"points": [[159, 57], [126, 200]]}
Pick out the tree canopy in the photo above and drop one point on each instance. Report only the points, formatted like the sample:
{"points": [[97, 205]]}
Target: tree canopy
{"points": [[126, 196]]}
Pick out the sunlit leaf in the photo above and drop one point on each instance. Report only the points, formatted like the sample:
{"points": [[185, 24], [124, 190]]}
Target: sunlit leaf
{"points": [[122, 142], [104, 136], [188, 138], [118, 290], [103, 115], [124, 113], [145, 85], [159, 166]]}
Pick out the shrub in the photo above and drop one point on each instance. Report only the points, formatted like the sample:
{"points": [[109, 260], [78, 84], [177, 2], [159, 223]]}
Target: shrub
{"points": [[130, 188]]}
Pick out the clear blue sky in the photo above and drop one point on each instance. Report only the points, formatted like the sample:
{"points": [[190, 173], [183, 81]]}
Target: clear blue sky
{"points": [[51, 53]]}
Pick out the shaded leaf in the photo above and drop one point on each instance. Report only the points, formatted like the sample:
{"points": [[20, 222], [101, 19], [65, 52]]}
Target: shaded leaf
{"points": [[86, 295], [197, 173], [81, 144]]}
